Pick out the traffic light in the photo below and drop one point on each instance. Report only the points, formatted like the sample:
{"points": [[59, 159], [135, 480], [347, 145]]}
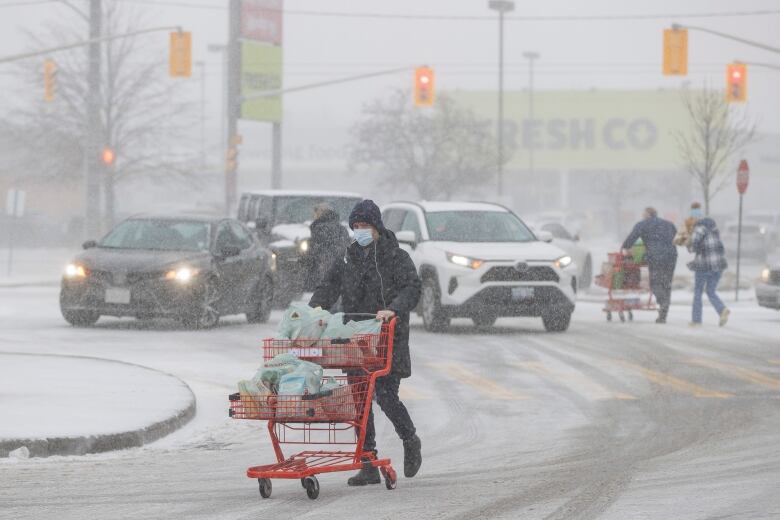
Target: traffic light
{"points": [[231, 158], [424, 86], [180, 55], [108, 156], [49, 80], [675, 52], [736, 82]]}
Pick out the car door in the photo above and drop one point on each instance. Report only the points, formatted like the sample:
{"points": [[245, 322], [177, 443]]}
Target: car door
{"points": [[229, 269], [252, 262]]}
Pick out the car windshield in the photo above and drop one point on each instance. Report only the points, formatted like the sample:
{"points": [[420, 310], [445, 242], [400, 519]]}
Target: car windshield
{"points": [[477, 226], [156, 234], [299, 209]]}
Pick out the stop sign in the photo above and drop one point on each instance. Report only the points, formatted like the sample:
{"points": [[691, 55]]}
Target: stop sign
{"points": [[743, 176]]}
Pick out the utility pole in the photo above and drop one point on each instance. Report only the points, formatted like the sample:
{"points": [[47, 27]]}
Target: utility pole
{"points": [[276, 157], [502, 6], [202, 76], [233, 97], [92, 166], [531, 56]]}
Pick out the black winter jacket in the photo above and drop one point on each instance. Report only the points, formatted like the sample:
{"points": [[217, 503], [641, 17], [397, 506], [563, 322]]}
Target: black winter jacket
{"points": [[380, 276], [658, 236], [329, 240]]}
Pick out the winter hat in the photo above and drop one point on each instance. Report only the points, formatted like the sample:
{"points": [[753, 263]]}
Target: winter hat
{"points": [[368, 212]]}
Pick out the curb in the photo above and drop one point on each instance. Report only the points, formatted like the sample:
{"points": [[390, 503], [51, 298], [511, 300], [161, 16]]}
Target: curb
{"points": [[108, 442]]}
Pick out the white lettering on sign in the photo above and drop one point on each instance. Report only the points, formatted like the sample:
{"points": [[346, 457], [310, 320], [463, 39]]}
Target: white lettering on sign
{"points": [[584, 134]]}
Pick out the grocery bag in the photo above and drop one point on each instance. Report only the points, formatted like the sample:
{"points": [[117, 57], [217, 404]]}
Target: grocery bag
{"points": [[271, 373], [303, 323]]}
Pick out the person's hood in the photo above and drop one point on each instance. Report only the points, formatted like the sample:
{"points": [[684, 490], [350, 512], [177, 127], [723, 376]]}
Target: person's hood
{"points": [[708, 223], [327, 216], [139, 260]]}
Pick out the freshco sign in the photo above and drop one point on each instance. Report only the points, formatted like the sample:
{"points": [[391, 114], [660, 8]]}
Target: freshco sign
{"points": [[743, 176]]}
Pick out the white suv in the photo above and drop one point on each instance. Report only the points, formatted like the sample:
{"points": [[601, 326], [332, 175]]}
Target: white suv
{"points": [[480, 261]]}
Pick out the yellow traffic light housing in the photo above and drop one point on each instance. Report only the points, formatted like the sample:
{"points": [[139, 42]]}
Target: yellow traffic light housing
{"points": [[736, 82], [49, 80], [180, 55], [424, 86], [675, 52]]}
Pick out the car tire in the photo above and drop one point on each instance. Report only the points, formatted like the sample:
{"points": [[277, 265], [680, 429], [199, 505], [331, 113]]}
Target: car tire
{"points": [[205, 315], [262, 301], [484, 320], [556, 321], [80, 318], [434, 319], [586, 277]]}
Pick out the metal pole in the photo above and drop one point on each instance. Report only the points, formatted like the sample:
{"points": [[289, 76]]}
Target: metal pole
{"points": [[276, 158], [500, 130], [202, 66], [752, 43], [93, 101], [233, 96], [531, 56], [739, 245]]}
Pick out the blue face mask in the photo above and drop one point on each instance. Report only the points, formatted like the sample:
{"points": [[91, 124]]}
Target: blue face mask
{"points": [[697, 213], [364, 236]]}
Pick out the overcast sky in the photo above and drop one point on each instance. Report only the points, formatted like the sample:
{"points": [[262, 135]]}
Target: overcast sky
{"points": [[574, 54]]}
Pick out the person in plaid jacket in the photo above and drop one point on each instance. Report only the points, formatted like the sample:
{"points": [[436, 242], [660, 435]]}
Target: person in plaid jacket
{"points": [[708, 266]]}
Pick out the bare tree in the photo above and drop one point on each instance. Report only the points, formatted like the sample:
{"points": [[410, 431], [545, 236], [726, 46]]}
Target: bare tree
{"points": [[715, 136], [440, 151], [145, 116]]}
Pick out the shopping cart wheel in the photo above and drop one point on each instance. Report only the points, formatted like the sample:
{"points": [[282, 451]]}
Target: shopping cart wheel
{"points": [[312, 487], [630, 316], [265, 487], [622, 316], [391, 478]]}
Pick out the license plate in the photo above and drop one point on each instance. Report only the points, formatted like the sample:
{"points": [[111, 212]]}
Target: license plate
{"points": [[521, 294], [117, 295]]}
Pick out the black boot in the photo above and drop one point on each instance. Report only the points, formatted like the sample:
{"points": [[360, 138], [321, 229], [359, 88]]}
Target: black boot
{"points": [[412, 456], [662, 313], [368, 475]]}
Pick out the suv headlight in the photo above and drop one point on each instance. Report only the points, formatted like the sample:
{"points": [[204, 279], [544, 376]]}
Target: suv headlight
{"points": [[766, 274], [76, 271], [563, 262], [182, 274], [465, 261]]}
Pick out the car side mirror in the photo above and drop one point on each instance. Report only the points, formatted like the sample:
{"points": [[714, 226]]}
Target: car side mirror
{"points": [[407, 237], [89, 244], [230, 251], [544, 236]]}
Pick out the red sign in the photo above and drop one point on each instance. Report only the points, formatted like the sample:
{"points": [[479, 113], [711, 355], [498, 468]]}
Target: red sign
{"points": [[743, 176], [261, 21]]}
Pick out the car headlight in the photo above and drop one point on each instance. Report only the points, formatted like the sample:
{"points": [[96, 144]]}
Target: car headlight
{"points": [[181, 275], [766, 274], [74, 271], [303, 246], [465, 261], [273, 262], [563, 262]]}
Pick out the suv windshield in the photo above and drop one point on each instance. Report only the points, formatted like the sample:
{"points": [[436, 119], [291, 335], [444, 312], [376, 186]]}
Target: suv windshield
{"points": [[477, 226], [162, 235], [297, 209]]}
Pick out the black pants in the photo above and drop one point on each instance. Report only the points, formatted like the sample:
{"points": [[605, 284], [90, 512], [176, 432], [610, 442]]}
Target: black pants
{"points": [[386, 395], [661, 276]]}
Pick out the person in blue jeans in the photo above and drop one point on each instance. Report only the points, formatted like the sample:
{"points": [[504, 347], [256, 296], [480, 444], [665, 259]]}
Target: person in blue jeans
{"points": [[708, 266]]}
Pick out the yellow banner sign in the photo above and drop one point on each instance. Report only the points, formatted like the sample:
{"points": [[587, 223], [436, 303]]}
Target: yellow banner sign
{"points": [[261, 71]]}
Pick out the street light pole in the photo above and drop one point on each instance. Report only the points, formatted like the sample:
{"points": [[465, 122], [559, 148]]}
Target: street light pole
{"points": [[531, 56], [202, 66], [502, 7], [92, 166], [222, 50]]}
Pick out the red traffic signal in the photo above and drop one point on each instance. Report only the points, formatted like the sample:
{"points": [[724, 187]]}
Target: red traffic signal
{"points": [[108, 156], [424, 86], [736, 82]]}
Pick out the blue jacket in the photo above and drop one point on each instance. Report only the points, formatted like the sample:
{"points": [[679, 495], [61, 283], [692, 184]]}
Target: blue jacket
{"points": [[657, 234]]}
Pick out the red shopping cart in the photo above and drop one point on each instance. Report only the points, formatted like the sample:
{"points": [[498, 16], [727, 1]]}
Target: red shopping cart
{"points": [[627, 284], [336, 417]]}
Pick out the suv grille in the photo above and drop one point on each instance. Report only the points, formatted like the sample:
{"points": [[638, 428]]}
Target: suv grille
{"points": [[510, 274], [774, 277]]}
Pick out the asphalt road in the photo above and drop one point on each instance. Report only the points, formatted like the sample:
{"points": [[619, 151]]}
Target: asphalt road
{"points": [[609, 420]]}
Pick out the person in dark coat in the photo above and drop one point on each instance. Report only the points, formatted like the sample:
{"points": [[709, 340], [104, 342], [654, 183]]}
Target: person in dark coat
{"points": [[376, 276], [329, 240], [658, 237]]}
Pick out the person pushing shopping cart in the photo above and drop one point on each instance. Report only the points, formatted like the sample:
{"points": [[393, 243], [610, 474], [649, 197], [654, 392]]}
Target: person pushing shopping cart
{"points": [[376, 276]]}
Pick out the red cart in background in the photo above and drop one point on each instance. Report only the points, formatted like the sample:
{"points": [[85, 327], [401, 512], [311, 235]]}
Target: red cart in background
{"points": [[336, 417], [627, 284]]}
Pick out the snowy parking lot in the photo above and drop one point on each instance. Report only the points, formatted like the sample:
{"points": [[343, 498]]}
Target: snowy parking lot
{"points": [[608, 420]]}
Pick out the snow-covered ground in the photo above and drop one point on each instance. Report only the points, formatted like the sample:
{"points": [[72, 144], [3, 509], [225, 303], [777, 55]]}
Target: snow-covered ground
{"points": [[609, 420]]}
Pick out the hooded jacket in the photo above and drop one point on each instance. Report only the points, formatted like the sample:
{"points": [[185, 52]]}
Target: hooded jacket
{"points": [[372, 278], [329, 240], [706, 243]]}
